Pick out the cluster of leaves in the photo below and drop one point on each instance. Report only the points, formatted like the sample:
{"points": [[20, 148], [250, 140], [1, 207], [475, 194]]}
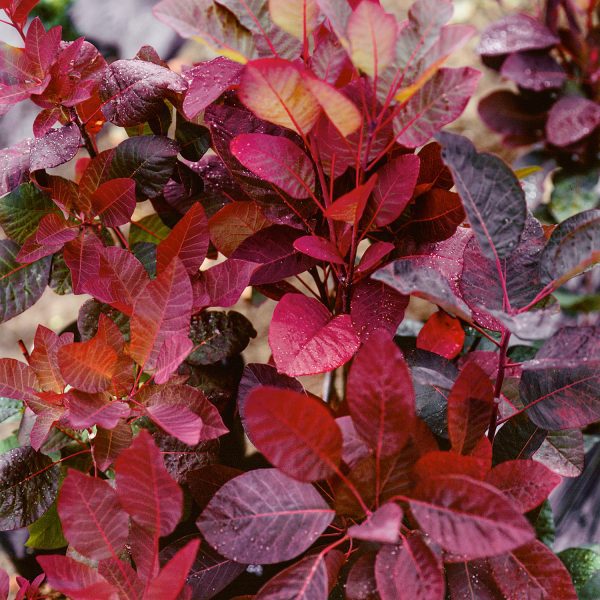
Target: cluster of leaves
{"points": [[554, 62], [324, 192]]}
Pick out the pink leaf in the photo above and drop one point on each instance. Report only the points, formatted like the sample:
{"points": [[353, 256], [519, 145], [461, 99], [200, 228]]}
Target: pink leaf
{"points": [[86, 410], [306, 339], [114, 201], [526, 482], [382, 526], [468, 517], [277, 160], [319, 248], [380, 395], [92, 519], [171, 579], [295, 432], [161, 310], [173, 352], [76, 580], [263, 516], [145, 489], [188, 241]]}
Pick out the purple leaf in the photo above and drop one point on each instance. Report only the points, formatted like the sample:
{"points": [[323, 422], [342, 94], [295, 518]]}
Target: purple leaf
{"points": [[571, 119], [207, 81], [536, 71], [55, 148], [306, 339], [14, 166], [560, 385], [273, 248], [133, 90], [295, 432], [481, 179], [439, 102], [92, 519], [263, 516], [319, 248], [375, 305], [383, 526], [277, 160], [515, 33]]}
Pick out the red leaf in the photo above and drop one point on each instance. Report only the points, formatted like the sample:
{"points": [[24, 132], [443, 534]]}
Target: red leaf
{"points": [[92, 519], [319, 248], [306, 339], [304, 579], [277, 160], [87, 410], [81, 256], [88, 366], [410, 571], [376, 306], [295, 432], [173, 352], [114, 201], [373, 255], [274, 90], [526, 482], [442, 334], [171, 579], [468, 517], [74, 579], [471, 581], [4, 584], [394, 189], [263, 516], [145, 488], [185, 413], [535, 572], [161, 310], [380, 395], [17, 380], [53, 230], [436, 463], [188, 241], [360, 583], [122, 576], [382, 526], [108, 444], [350, 207], [470, 406], [43, 358]]}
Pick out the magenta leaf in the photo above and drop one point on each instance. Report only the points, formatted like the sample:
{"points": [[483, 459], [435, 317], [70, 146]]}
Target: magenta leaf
{"points": [[207, 81], [515, 33], [133, 90], [264, 517], [380, 397], [409, 570], [92, 519], [319, 248], [277, 160], [161, 310], [480, 179], [114, 201], [306, 339], [295, 432], [382, 526], [75, 579], [187, 241], [86, 410], [468, 517]]}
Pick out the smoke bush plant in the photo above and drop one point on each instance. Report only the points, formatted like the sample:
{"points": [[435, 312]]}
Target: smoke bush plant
{"points": [[425, 471]]}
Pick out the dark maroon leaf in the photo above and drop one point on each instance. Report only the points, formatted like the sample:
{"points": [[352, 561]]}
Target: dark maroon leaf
{"points": [[380, 395], [571, 119], [360, 583], [562, 452], [468, 518], [481, 179], [560, 385], [533, 570], [295, 432], [409, 570], [264, 517], [28, 486], [536, 71], [133, 90], [306, 339], [471, 581], [514, 33]]}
